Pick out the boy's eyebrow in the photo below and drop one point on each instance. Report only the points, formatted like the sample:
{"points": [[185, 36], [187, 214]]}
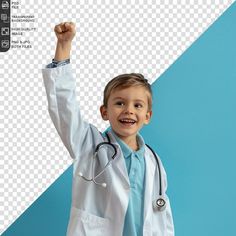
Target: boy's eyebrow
{"points": [[118, 98], [137, 100]]}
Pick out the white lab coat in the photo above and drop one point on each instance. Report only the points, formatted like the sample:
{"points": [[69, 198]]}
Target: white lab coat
{"points": [[96, 210]]}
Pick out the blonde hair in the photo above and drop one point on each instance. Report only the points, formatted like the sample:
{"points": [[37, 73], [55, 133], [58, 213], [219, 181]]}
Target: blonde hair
{"points": [[125, 81]]}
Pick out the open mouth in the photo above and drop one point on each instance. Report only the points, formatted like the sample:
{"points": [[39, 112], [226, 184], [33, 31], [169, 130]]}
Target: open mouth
{"points": [[127, 121]]}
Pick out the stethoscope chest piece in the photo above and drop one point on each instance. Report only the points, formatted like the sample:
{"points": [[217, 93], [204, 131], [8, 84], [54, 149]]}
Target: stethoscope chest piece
{"points": [[159, 204]]}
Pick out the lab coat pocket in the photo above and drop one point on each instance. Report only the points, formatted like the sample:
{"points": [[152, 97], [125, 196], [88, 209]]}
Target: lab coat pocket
{"points": [[83, 223]]}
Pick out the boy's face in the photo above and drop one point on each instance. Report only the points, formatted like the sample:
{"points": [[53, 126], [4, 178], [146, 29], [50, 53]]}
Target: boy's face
{"points": [[127, 111]]}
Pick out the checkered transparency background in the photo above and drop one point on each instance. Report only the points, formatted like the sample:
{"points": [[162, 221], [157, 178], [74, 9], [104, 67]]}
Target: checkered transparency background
{"points": [[112, 38]]}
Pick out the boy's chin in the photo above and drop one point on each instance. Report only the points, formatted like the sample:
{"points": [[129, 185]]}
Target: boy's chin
{"points": [[126, 133]]}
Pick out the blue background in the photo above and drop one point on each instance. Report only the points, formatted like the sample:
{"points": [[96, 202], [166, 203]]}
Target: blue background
{"points": [[193, 130]]}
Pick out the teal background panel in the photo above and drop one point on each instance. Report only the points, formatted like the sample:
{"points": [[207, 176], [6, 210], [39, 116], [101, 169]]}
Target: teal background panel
{"points": [[193, 130]]}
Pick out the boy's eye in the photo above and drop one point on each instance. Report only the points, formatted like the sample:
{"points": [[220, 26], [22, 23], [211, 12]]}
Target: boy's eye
{"points": [[120, 103], [138, 105]]}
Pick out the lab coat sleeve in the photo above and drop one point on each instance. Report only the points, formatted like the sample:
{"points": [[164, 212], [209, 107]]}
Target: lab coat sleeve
{"points": [[169, 219], [63, 108]]}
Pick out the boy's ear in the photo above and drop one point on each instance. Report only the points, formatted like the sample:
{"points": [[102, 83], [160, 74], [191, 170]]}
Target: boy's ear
{"points": [[103, 111], [148, 117]]}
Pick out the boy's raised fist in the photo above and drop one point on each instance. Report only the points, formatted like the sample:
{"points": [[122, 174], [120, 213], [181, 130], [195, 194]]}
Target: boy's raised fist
{"points": [[65, 31]]}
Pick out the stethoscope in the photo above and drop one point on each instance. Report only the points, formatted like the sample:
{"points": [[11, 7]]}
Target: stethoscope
{"points": [[158, 204]]}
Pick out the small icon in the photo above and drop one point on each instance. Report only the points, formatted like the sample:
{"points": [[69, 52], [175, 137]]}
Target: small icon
{"points": [[5, 43], [5, 5], [5, 31], [7, 20], [3, 17]]}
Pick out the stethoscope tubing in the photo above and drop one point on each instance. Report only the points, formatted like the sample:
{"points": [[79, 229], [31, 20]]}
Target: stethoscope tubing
{"points": [[159, 170], [158, 204], [109, 162]]}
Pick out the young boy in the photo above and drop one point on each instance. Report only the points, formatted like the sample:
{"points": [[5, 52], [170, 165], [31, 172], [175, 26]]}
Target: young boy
{"points": [[116, 177]]}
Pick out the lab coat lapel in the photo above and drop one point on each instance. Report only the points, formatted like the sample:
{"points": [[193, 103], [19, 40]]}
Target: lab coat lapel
{"points": [[119, 163], [149, 179]]}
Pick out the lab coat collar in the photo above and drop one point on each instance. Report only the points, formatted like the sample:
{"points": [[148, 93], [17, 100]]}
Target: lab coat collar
{"points": [[119, 161]]}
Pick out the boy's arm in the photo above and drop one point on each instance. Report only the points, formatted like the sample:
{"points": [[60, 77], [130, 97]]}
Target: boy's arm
{"points": [[65, 33], [62, 51], [61, 94]]}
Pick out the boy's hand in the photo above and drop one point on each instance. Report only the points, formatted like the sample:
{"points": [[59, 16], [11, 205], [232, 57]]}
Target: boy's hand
{"points": [[65, 32]]}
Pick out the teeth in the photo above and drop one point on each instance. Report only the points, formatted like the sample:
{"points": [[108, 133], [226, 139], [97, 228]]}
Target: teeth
{"points": [[127, 120]]}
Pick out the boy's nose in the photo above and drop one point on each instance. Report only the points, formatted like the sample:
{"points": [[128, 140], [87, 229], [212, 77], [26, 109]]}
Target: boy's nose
{"points": [[129, 110]]}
